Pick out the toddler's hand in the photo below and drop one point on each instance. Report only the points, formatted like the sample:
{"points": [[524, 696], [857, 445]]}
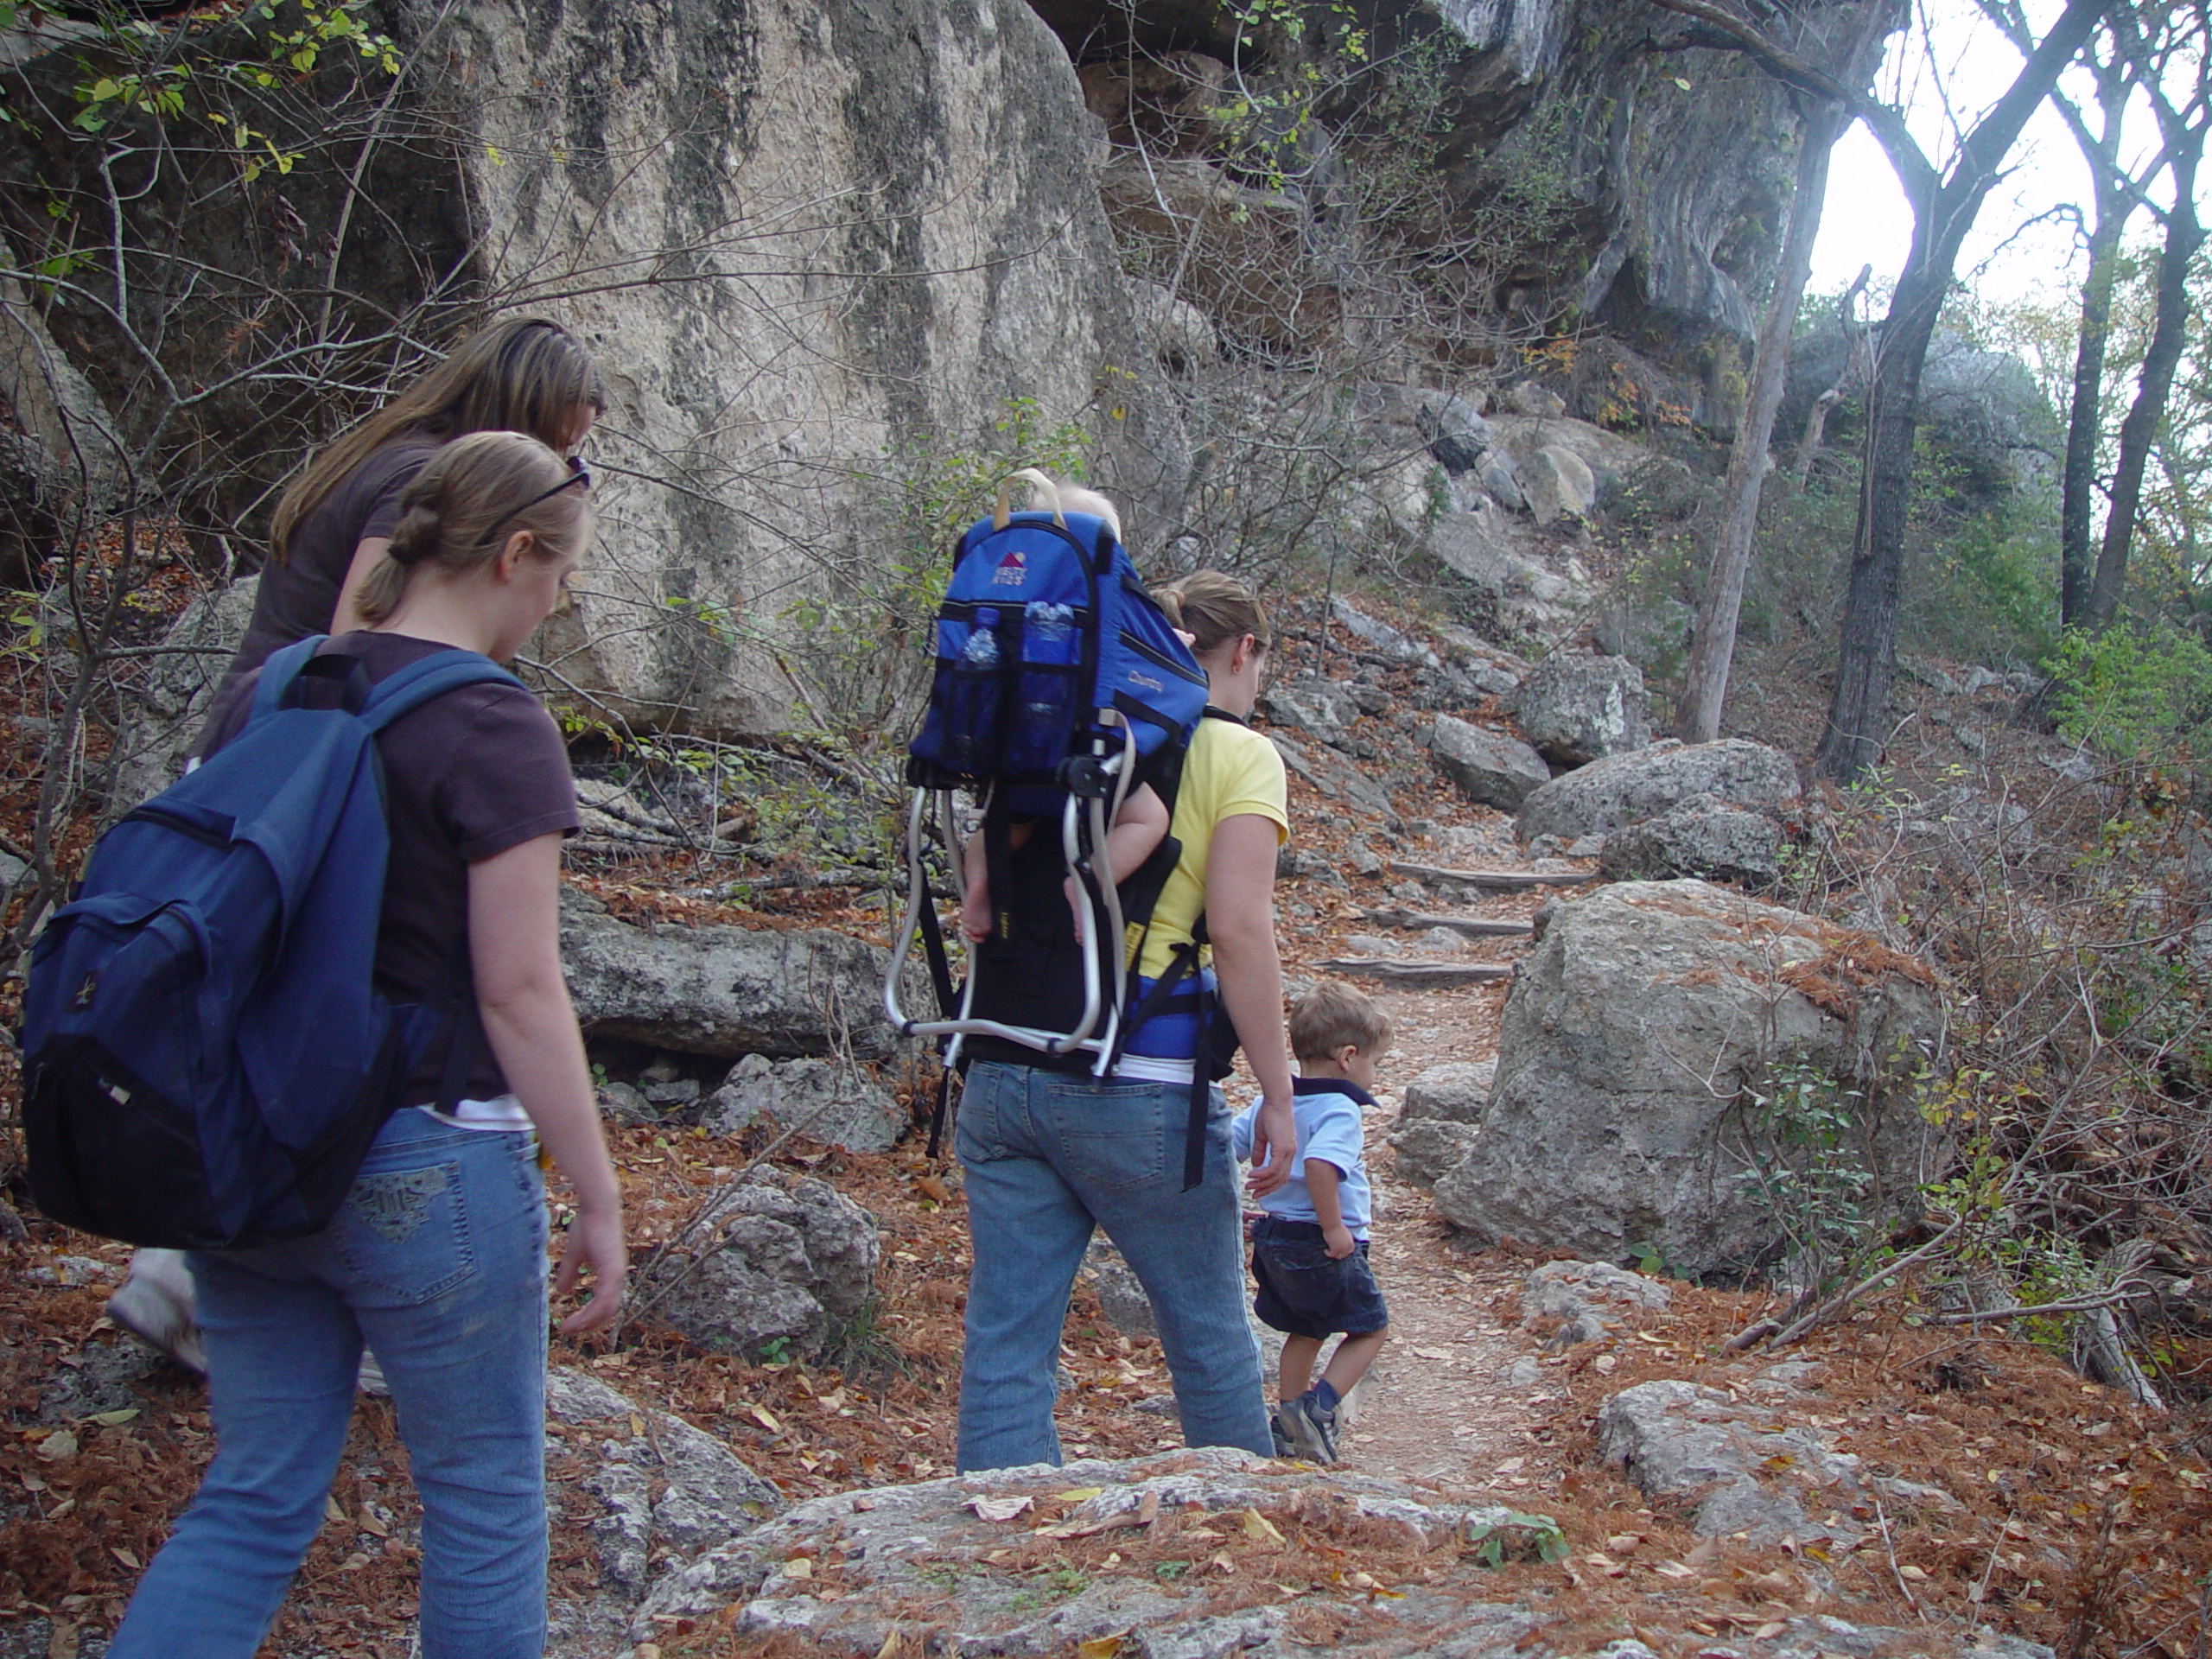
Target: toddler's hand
{"points": [[1339, 1240]]}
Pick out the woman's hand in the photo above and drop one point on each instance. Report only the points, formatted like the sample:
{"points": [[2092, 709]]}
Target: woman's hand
{"points": [[595, 1241], [1274, 1144]]}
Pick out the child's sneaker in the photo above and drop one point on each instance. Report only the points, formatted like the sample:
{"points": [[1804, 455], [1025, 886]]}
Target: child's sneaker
{"points": [[1283, 1447], [1310, 1427]]}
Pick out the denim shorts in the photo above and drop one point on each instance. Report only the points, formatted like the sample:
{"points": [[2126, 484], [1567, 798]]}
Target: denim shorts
{"points": [[1306, 1293]]}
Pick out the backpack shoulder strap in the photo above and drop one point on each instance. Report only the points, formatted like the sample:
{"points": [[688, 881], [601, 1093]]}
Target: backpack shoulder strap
{"points": [[278, 671], [433, 677]]}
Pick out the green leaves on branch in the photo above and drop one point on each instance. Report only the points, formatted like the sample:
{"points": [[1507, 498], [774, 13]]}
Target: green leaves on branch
{"points": [[2137, 695], [132, 65]]}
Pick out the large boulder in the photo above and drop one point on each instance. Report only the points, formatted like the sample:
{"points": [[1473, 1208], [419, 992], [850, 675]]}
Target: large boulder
{"points": [[1577, 709], [721, 990], [1631, 1037], [1490, 768], [869, 1556], [1442, 1116], [1558, 484], [769, 1264], [1699, 836], [1624, 788]]}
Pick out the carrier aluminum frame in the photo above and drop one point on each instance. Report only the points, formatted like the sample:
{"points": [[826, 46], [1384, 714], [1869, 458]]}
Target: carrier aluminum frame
{"points": [[1084, 818]]}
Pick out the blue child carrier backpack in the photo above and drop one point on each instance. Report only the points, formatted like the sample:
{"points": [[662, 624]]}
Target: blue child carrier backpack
{"points": [[1059, 686], [205, 1058]]}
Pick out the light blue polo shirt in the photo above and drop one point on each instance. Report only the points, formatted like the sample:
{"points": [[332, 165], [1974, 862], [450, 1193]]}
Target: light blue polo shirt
{"points": [[1326, 1112]]}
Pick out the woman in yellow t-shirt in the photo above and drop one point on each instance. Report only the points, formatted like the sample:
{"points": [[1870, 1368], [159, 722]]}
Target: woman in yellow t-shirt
{"points": [[1049, 1155]]}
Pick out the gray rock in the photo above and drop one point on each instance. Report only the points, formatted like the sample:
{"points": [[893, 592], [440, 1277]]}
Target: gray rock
{"points": [[1121, 1297], [1503, 485], [1382, 636], [172, 701], [1532, 397], [1577, 709], [1626, 1035], [665, 1493], [1309, 703], [1458, 436], [104, 1376], [1491, 550], [838, 1106], [1625, 789], [1455, 1092], [12, 870], [902, 1542], [771, 1264], [1490, 768], [676, 1091], [626, 1105], [1731, 1466], [1426, 1148], [1589, 1299], [720, 991], [1701, 836], [1558, 484]]}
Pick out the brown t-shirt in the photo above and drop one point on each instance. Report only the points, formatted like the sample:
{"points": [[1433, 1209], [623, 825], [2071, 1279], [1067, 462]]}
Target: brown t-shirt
{"points": [[298, 595], [467, 775]]}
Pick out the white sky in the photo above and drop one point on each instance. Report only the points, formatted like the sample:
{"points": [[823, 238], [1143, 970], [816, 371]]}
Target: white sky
{"points": [[1866, 220]]}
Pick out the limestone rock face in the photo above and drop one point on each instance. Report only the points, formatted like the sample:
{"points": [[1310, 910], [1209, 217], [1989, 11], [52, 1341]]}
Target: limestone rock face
{"points": [[799, 238], [729, 991], [1490, 768], [819, 231], [1624, 788], [1577, 709], [1615, 1124]]}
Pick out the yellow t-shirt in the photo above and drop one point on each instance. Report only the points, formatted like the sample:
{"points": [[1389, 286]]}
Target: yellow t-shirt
{"points": [[1230, 769]]}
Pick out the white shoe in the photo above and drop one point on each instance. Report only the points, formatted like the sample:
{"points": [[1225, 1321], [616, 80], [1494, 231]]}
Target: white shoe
{"points": [[157, 1305]]}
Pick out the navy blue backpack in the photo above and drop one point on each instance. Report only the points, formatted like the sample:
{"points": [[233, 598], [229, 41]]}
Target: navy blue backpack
{"points": [[205, 1058], [1059, 686]]}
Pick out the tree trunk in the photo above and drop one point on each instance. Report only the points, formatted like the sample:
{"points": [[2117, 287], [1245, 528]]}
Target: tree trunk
{"points": [[1857, 722], [2168, 336], [2082, 424], [1943, 212], [1713, 644]]}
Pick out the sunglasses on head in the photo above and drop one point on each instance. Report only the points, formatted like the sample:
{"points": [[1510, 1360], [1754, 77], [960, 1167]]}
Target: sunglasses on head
{"points": [[576, 475]]}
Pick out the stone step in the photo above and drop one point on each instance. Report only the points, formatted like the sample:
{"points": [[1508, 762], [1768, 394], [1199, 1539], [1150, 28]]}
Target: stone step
{"points": [[1496, 881], [1474, 927], [1432, 975]]}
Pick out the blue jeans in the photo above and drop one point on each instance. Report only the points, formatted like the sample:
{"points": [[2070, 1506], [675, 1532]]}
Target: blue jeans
{"points": [[437, 1258], [1048, 1157]]}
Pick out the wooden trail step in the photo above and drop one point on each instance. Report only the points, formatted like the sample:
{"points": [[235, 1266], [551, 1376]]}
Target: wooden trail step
{"points": [[1434, 974], [1475, 927], [1501, 881]]}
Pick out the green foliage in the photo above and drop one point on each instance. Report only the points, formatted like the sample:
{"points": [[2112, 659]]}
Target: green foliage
{"points": [[1517, 1538], [180, 76], [1988, 586], [1806, 1162], [2138, 693], [864, 639]]}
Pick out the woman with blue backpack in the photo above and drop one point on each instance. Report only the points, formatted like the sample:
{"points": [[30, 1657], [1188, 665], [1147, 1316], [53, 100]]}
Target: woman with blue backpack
{"points": [[1051, 1153], [436, 1256], [332, 526]]}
